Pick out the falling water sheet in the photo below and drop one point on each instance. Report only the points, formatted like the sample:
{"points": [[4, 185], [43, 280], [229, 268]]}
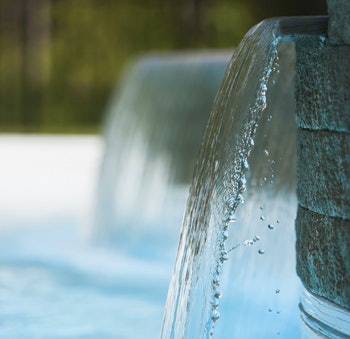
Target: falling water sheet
{"points": [[248, 154]]}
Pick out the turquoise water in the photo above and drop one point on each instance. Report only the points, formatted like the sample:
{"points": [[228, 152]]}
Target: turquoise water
{"points": [[53, 282], [52, 285]]}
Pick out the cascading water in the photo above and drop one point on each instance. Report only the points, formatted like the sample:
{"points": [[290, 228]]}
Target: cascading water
{"points": [[220, 180], [248, 154], [153, 133]]}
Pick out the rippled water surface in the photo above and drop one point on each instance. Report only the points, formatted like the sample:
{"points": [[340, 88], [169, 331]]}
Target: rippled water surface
{"points": [[52, 282]]}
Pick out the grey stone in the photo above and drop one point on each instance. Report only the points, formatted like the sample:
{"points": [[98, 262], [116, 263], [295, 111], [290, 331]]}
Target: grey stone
{"points": [[339, 21], [323, 251], [323, 172], [322, 84]]}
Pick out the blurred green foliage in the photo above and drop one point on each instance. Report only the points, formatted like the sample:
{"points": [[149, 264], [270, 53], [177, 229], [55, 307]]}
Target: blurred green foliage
{"points": [[60, 59]]}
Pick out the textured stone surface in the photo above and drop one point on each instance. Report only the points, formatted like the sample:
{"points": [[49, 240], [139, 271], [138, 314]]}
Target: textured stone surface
{"points": [[323, 252], [323, 172], [322, 84], [339, 21]]}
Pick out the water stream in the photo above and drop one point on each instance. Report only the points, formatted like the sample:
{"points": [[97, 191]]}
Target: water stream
{"points": [[153, 132], [237, 238]]}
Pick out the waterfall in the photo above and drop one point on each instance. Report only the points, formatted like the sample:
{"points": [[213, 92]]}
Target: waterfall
{"points": [[248, 154], [155, 123]]}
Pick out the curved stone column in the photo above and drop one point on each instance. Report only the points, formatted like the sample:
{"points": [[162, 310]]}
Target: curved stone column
{"points": [[323, 159]]}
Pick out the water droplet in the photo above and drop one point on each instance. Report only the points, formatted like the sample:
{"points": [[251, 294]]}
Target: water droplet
{"points": [[215, 303], [251, 141], [224, 256], [242, 188], [215, 315], [261, 251], [262, 218], [245, 164], [218, 268], [217, 294], [270, 226], [266, 152], [248, 242], [216, 280], [256, 238], [265, 179], [232, 218], [233, 247], [270, 310], [278, 291], [225, 235], [241, 199], [277, 221], [261, 207], [231, 202]]}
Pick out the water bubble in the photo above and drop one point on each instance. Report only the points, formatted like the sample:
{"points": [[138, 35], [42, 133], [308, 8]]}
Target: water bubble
{"points": [[261, 251], [278, 291], [225, 235], [256, 238], [262, 218], [251, 141], [270, 226], [266, 152], [277, 221]]}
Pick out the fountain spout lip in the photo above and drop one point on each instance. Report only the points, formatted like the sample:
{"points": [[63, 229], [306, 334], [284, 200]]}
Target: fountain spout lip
{"points": [[303, 25]]}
